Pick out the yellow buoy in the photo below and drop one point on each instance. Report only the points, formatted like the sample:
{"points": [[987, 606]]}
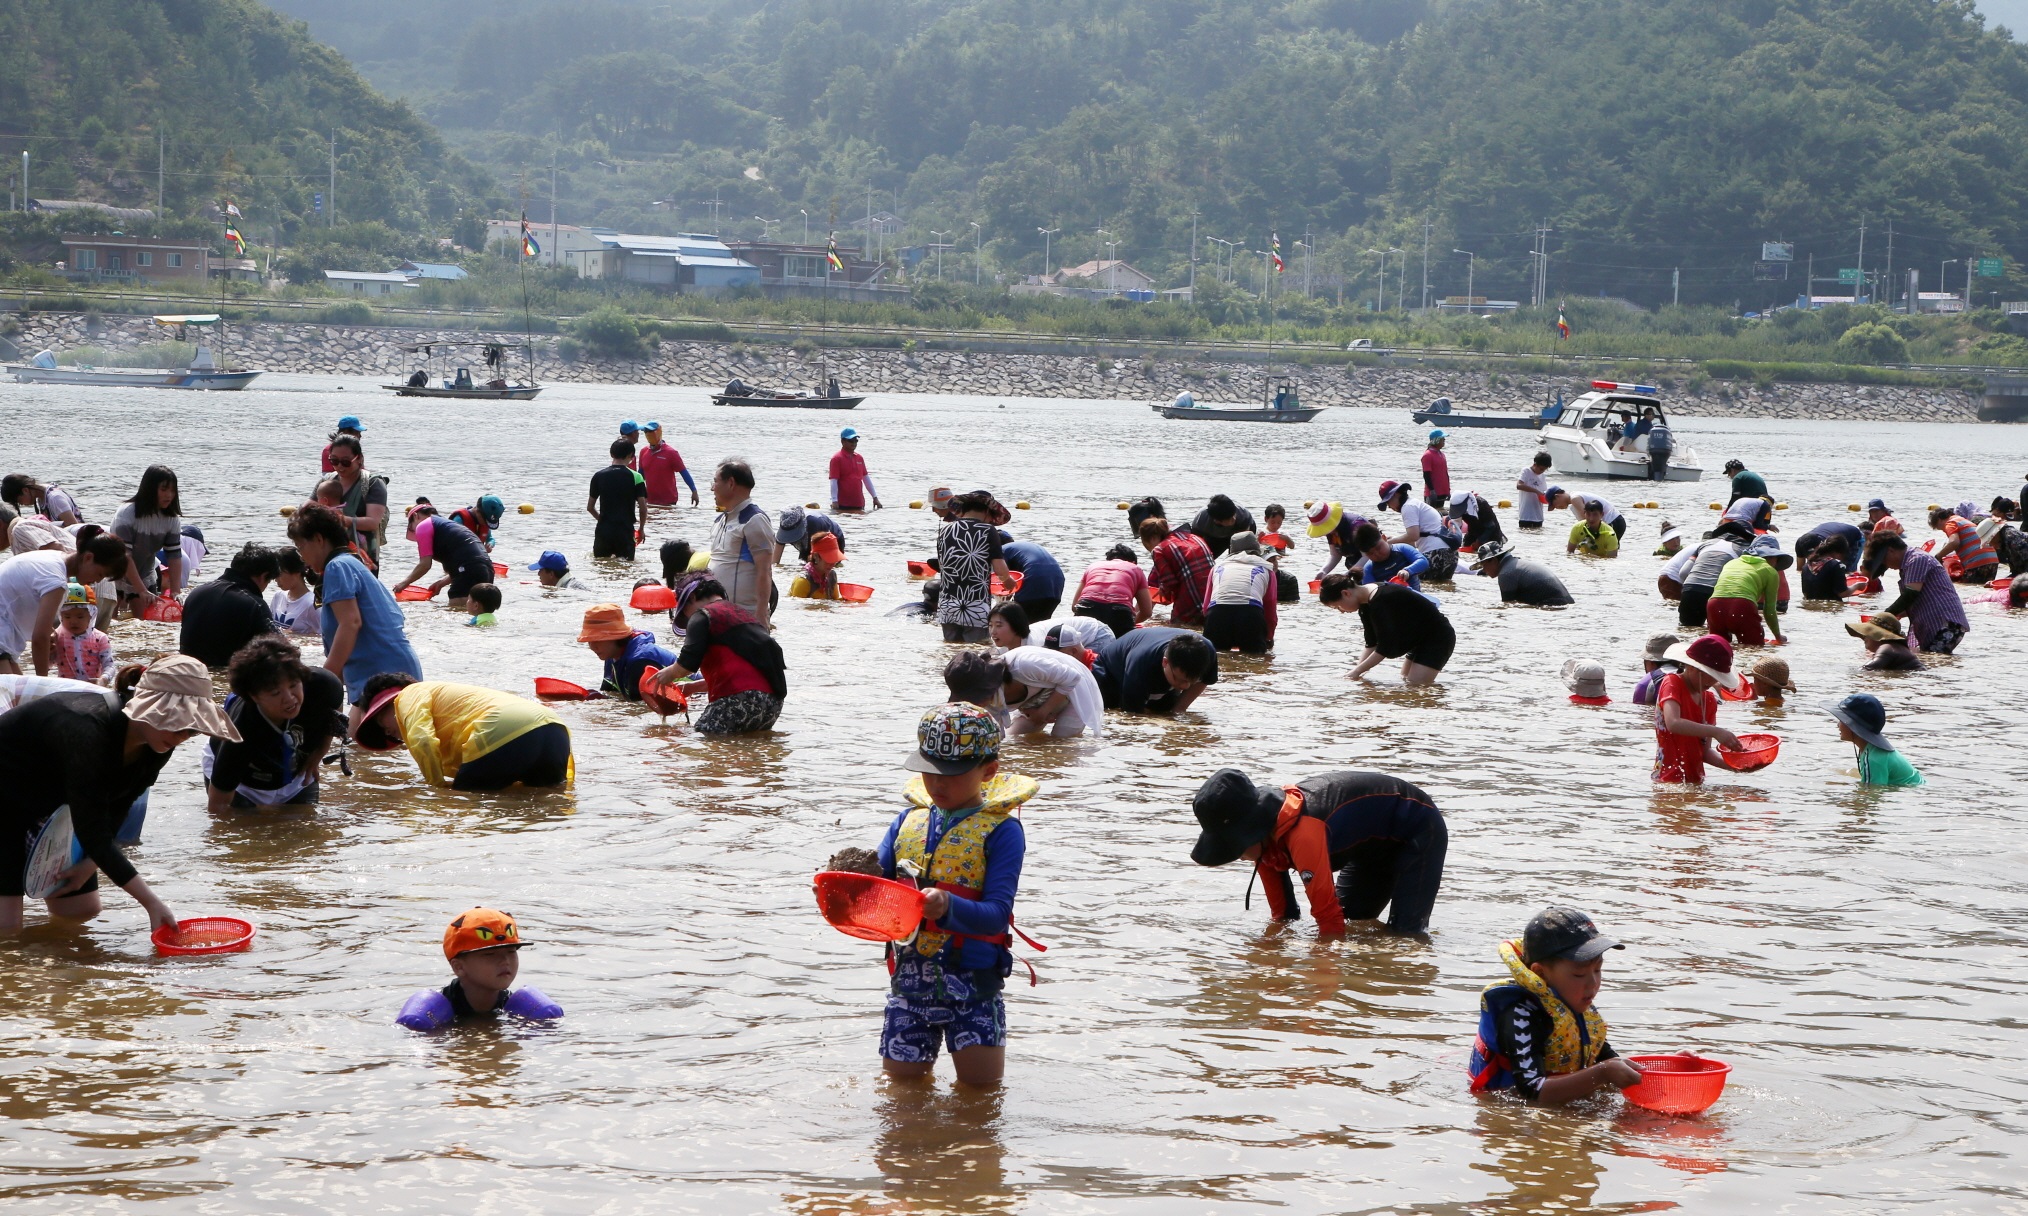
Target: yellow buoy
{"points": [[1781, 506], [1716, 507], [812, 506], [1505, 503], [1932, 506], [1307, 504], [915, 505], [288, 510], [1122, 506], [1853, 506], [526, 508], [1020, 506]]}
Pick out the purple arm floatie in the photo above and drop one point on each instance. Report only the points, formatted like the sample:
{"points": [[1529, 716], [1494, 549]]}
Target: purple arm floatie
{"points": [[426, 1011], [530, 1003]]}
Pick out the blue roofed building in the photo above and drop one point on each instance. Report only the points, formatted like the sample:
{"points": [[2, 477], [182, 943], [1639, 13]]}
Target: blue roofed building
{"points": [[687, 262], [432, 270]]}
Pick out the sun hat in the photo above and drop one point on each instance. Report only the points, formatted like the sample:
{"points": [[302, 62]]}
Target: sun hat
{"points": [[491, 509], [1243, 542], [1388, 489], [350, 422], [1863, 715], [605, 623], [1564, 933], [1775, 671], [77, 595], [1235, 815], [175, 695], [368, 734], [652, 427], [629, 427], [793, 526], [1769, 550], [954, 738], [825, 545], [1670, 532], [940, 498], [1709, 654], [481, 929], [1492, 551], [1324, 517], [1658, 645], [1438, 434], [848, 433], [1879, 628], [1584, 677], [1878, 504]]}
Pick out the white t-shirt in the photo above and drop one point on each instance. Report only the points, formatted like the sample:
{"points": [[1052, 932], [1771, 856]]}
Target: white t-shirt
{"points": [[1083, 631], [1423, 516], [298, 615], [1678, 564], [1577, 502], [24, 580], [1531, 505], [1047, 671]]}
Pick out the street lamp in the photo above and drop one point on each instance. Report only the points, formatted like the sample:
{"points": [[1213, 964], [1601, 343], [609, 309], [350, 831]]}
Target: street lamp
{"points": [[764, 222], [1046, 234], [1400, 281], [806, 226], [1471, 265], [1380, 297], [1229, 245], [978, 244], [940, 251]]}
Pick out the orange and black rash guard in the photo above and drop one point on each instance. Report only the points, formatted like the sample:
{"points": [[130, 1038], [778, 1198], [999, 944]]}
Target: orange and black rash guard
{"points": [[1323, 819]]}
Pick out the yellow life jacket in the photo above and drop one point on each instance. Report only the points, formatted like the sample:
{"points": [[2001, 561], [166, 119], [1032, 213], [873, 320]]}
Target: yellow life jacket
{"points": [[958, 865], [1566, 1051]]}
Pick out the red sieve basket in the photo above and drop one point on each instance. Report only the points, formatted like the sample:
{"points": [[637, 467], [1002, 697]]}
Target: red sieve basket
{"points": [[204, 935], [1755, 752], [1677, 1085], [866, 907], [1011, 585]]}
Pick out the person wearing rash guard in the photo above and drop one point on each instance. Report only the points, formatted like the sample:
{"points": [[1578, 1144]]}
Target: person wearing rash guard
{"points": [[660, 465], [1539, 1034], [1382, 838], [628, 652], [440, 540], [484, 950], [850, 485]]}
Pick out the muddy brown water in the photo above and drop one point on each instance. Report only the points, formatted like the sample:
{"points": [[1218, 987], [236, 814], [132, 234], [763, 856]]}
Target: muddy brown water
{"points": [[1856, 955]]}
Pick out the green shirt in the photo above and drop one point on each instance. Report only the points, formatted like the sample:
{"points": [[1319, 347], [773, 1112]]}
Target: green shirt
{"points": [[1751, 578], [1748, 484], [1879, 766], [1602, 542]]}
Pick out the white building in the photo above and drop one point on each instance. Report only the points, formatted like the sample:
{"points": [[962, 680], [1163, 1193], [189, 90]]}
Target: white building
{"points": [[369, 282]]}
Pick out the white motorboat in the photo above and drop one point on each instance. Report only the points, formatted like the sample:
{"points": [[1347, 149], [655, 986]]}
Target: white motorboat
{"points": [[1589, 437], [203, 372]]}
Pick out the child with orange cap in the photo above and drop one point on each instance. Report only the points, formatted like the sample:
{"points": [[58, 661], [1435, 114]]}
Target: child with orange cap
{"points": [[627, 651], [819, 579], [484, 949]]}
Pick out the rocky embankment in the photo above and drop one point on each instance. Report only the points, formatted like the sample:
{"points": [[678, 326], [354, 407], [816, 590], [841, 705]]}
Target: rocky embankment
{"points": [[375, 351]]}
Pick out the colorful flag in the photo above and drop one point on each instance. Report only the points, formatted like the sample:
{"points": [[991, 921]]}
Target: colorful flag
{"points": [[238, 243], [1562, 326], [1275, 247], [529, 249], [831, 253], [232, 209]]}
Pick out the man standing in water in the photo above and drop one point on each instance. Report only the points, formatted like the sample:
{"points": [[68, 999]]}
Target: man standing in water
{"points": [[742, 542], [1436, 473], [660, 466], [850, 486], [619, 502]]}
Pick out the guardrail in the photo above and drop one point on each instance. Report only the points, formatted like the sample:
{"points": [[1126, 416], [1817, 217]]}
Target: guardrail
{"points": [[792, 330]]}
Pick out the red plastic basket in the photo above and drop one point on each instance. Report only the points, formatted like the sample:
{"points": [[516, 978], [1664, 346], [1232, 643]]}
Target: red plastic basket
{"points": [[550, 689], [664, 701], [854, 593], [414, 595], [204, 935], [1677, 1085], [920, 569], [653, 599], [1011, 585], [867, 907], [1755, 752]]}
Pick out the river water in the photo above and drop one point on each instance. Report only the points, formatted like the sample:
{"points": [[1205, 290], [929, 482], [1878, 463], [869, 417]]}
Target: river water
{"points": [[1855, 955]]}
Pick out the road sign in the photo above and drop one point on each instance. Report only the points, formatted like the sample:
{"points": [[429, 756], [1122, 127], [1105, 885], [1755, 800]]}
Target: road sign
{"points": [[1777, 251], [1990, 268], [317, 202], [1848, 274], [1770, 272]]}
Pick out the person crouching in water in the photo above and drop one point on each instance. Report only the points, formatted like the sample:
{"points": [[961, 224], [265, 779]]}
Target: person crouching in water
{"points": [[967, 847], [1539, 1034], [1383, 838], [819, 579]]}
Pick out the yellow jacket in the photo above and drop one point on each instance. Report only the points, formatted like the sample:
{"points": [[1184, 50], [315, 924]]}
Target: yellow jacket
{"points": [[447, 726]]}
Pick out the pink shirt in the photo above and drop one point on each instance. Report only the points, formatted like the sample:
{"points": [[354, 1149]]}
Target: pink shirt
{"points": [[1112, 582], [1436, 471], [426, 539], [848, 470], [660, 464]]}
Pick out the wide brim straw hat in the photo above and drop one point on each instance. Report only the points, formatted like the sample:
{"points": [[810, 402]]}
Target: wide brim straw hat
{"points": [[1775, 671], [1680, 653], [175, 695]]}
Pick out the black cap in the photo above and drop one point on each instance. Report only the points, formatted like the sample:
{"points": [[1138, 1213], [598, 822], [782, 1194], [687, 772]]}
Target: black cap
{"points": [[975, 676], [1235, 814], [1564, 933]]}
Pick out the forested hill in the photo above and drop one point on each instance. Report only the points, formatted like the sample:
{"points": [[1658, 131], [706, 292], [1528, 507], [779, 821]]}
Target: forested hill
{"points": [[244, 102]]}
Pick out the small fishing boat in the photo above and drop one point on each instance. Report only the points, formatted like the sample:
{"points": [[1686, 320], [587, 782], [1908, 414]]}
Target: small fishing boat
{"points": [[1280, 402], [826, 397], [1588, 437], [1439, 413], [428, 381], [203, 373]]}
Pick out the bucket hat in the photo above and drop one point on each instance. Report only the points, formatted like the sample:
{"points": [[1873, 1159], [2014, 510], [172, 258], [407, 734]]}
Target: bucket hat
{"points": [[1243, 542], [1492, 551], [1584, 678], [1324, 517], [481, 929], [792, 526], [1863, 715], [1234, 813], [1657, 649], [1769, 550], [175, 695], [1709, 654], [1775, 671], [605, 623]]}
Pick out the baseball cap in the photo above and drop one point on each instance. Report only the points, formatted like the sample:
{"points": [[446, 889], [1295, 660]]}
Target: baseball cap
{"points": [[954, 738], [848, 433], [940, 498], [1670, 532], [350, 422], [825, 545], [629, 427], [652, 427], [1564, 933], [1436, 434], [551, 560], [481, 929]]}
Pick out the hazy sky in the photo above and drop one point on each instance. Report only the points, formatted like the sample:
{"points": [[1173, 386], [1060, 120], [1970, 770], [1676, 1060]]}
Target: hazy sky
{"points": [[2011, 13]]}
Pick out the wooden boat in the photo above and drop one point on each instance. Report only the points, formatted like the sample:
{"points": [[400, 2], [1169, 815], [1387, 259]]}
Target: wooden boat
{"points": [[492, 354], [202, 374], [1439, 413], [1280, 402]]}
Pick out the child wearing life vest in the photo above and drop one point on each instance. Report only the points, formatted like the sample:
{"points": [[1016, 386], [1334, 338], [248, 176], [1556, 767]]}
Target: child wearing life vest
{"points": [[1862, 719], [484, 949], [962, 841], [1538, 1032], [819, 579]]}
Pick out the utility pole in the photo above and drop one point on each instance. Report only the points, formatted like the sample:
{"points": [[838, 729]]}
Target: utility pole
{"points": [[1859, 286], [331, 191], [161, 161], [1380, 297], [978, 251], [1810, 280], [1400, 281], [1676, 287], [1046, 234], [552, 208], [1471, 268], [1306, 259], [1425, 261], [1193, 259], [1887, 275], [26, 202]]}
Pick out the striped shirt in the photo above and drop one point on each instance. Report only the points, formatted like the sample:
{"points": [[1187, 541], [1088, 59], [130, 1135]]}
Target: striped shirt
{"points": [[1938, 604]]}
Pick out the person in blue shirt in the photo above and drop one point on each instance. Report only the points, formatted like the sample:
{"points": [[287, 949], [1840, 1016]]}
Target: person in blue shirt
{"points": [[1041, 578], [627, 651], [960, 840], [1823, 565], [1385, 562], [365, 633], [1155, 671]]}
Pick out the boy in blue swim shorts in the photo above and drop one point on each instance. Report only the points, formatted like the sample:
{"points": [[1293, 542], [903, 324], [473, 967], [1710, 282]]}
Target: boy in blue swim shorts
{"points": [[961, 841]]}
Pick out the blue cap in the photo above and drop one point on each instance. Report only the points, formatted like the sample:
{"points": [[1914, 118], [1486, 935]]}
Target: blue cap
{"points": [[651, 425], [491, 509], [1554, 491], [350, 422], [629, 427], [847, 433], [551, 560], [1436, 434]]}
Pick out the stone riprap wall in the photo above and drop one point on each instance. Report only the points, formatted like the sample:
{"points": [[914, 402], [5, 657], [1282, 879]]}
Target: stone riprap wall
{"points": [[373, 350]]}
